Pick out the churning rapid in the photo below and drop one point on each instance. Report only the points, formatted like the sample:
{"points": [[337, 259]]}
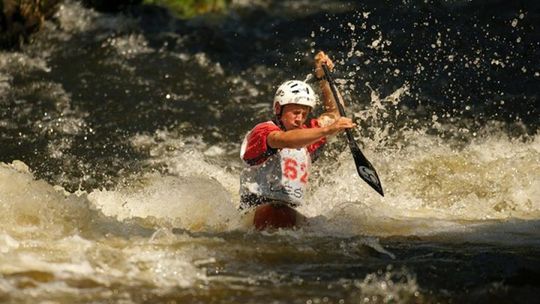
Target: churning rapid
{"points": [[120, 135]]}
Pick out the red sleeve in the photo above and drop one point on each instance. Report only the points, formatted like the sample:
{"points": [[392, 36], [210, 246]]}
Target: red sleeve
{"points": [[315, 147], [257, 149]]}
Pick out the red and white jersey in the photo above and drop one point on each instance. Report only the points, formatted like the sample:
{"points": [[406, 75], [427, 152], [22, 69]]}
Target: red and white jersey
{"points": [[274, 174]]}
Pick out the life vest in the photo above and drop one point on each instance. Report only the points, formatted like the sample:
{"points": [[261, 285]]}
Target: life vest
{"points": [[281, 177]]}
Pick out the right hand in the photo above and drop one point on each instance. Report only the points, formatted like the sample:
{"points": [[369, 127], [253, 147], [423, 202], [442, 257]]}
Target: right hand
{"points": [[340, 125], [320, 59]]}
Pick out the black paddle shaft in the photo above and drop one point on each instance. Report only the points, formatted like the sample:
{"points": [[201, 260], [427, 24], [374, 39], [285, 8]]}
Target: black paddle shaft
{"points": [[363, 166]]}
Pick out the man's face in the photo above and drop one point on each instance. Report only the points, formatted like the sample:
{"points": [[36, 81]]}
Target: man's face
{"points": [[294, 116]]}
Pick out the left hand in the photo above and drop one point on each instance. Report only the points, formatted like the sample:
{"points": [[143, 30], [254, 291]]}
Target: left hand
{"points": [[339, 125]]}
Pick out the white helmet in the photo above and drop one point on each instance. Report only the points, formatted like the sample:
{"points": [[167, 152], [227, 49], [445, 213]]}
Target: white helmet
{"points": [[294, 92]]}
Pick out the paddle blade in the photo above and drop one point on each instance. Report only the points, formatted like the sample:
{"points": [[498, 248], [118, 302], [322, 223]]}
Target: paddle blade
{"points": [[366, 170]]}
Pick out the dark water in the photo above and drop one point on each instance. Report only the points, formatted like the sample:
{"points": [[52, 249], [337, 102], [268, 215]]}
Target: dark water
{"points": [[115, 129]]}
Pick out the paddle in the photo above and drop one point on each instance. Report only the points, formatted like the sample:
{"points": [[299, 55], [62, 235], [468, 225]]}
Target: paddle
{"points": [[363, 166]]}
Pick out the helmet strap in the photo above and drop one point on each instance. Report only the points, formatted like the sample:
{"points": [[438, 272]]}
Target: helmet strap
{"points": [[277, 120], [280, 107], [277, 116]]}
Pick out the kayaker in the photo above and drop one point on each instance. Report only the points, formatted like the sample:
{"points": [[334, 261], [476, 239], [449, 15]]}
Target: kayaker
{"points": [[278, 153]]}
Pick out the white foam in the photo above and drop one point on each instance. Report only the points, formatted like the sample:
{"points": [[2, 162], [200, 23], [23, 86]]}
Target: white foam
{"points": [[7, 243], [34, 206], [190, 202], [55, 239], [431, 188]]}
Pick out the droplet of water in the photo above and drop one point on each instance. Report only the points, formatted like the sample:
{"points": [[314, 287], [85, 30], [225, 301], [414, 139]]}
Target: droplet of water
{"points": [[514, 22]]}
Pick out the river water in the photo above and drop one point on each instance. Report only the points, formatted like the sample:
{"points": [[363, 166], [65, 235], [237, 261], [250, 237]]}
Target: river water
{"points": [[120, 134]]}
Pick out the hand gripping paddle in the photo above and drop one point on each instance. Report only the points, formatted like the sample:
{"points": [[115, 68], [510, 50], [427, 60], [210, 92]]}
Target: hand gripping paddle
{"points": [[363, 166]]}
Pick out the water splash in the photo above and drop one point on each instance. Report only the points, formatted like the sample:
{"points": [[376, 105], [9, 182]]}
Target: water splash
{"points": [[55, 242], [195, 203], [389, 286]]}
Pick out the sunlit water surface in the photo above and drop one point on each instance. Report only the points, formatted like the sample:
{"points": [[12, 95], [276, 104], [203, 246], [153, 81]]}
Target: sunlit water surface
{"points": [[119, 172]]}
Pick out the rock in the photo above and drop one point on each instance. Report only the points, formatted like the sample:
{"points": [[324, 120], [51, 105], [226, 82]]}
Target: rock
{"points": [[110, 5], [19, 19]]}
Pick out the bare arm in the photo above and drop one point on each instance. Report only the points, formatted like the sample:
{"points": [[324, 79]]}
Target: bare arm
{"points": [[300, 138], [331, 113]]}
